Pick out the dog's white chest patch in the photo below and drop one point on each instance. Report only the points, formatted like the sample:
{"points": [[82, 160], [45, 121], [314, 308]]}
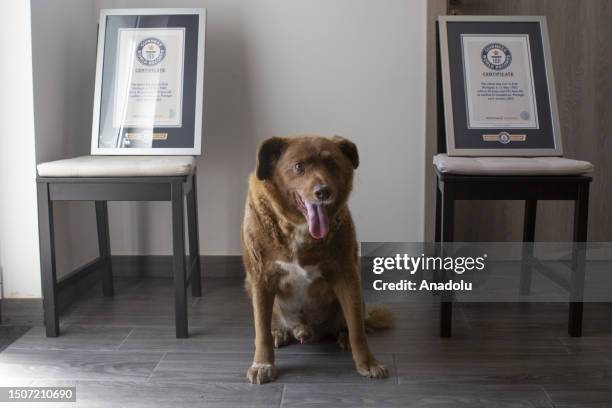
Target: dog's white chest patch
{"points": [[297, 274], [299, 278]]}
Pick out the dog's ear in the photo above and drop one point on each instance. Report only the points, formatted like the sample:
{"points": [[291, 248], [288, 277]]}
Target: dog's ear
{"points": [[267, 155], [349, 149]]}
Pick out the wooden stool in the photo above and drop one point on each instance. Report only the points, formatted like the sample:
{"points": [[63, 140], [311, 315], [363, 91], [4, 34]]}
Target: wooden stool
{"points": [[120, 178], [514, 178]]}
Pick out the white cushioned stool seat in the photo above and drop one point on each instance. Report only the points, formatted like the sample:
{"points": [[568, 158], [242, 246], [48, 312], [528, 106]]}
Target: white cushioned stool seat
{"points": [[511, 166], [118, 166]]}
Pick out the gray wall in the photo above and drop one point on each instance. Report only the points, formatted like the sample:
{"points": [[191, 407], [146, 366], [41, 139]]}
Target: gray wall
{"points": [[354, 68], [63, 65]]}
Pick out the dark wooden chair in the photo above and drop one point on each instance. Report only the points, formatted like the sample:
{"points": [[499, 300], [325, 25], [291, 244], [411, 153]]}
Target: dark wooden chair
{"points": [[510, 178], [119, 178]]}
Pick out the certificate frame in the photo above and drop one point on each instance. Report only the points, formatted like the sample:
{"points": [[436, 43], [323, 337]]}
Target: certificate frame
{"points": [[182, 136], [543, 139]]}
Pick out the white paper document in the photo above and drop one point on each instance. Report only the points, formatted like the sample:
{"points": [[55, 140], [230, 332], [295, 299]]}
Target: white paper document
{"points": [[149, 78], [499, 86]]}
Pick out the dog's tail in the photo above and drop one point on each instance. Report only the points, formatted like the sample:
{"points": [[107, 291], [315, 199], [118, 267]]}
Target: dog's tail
{"points": [[378, 317]]}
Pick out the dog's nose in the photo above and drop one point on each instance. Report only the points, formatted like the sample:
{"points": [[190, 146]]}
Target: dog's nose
{"points": [[322, 193]]}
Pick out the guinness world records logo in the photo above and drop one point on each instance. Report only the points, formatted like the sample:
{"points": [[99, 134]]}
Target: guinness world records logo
{"points": [[150, 51], [496, 56], [504, 137]]}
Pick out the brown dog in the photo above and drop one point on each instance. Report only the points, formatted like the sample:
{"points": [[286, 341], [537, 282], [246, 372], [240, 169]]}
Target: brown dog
{"points": [[300, 252]]}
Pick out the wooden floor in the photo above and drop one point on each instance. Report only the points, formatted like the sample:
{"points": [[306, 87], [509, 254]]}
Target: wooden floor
{"points": [[122, 352]]}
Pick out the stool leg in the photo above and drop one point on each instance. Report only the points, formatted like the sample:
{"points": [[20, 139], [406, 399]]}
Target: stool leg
{"points": [[529, 224], [194, 240], [581, 217], [104, 247], [178, 264], [448, 220], [47, 260]]}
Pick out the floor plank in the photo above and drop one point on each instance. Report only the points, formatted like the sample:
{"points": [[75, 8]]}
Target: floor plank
{"points": [[480, 368], [76, 365], [580, 395], [104, 394], [9, 334], [201, 368], [93, 338], [421, 396]]}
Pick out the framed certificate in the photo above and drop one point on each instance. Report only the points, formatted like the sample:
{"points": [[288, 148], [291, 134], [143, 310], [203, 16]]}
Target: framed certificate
{"points": [[498, 87], [149, 82]]}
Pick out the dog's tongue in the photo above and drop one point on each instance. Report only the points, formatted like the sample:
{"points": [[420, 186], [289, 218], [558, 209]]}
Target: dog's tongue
{"points": [[317, 220]]}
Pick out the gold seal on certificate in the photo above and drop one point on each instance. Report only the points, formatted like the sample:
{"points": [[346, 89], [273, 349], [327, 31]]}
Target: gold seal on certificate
{"points": [[499, 82], [149, 82]]}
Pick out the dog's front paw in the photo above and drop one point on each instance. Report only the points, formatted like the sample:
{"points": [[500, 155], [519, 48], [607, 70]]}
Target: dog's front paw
{"points": [[261, 373], [373, 369]]}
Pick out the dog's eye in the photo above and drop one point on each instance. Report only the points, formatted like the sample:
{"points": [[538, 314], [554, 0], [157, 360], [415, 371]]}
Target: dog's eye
{"points": [[299, 168]]}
